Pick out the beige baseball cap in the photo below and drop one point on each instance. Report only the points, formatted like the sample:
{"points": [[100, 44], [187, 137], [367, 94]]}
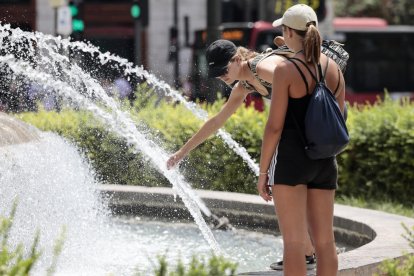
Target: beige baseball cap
{"points": [[297, 17]]}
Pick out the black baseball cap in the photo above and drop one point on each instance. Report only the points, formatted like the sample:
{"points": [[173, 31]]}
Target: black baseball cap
{"points": [[218, 55]]}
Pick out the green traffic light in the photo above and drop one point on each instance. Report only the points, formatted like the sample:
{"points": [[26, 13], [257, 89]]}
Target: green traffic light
{"points": [[73, 10], [135, 11], [77, 25]]}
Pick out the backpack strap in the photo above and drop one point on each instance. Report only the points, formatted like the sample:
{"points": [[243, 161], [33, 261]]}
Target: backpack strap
{"points": [[339, 82], [301, 74], [320, 70], [324, 75], [306, 66]]}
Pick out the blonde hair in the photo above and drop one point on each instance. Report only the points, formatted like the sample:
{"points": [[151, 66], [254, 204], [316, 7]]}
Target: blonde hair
{"points": [[245, 53], [312, 43]]}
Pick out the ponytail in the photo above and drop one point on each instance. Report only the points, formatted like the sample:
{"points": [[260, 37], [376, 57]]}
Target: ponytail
{"points": [[312, 44]]}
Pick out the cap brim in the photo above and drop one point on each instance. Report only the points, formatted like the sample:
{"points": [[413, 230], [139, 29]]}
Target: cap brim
{"points": [[214, 72], [277, 22]]}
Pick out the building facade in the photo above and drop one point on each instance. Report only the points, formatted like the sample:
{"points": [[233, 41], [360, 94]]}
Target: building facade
{"points": [[109, 25]]}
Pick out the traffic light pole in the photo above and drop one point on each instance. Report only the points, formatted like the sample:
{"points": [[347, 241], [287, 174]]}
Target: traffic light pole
{"points": [[213, 33], [55, 20], [177, 81], [213, 20], [138, 42]]}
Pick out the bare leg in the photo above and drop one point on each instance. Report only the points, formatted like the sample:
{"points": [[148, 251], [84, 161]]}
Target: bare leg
{"points": [[290, 201], [309, 248], [320, 217]]}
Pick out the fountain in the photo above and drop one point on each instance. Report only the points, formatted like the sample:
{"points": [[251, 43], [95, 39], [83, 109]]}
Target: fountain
{"points": [[56, 187]]}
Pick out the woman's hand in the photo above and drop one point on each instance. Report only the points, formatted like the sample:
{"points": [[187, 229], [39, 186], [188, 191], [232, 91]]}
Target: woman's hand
{"points": [[263, 188], [175, 159]]}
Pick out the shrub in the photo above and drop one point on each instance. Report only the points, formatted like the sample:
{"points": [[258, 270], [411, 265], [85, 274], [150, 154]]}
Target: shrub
{"points": [[113, 161], [378, 163], [215, 266], [14, 261]]}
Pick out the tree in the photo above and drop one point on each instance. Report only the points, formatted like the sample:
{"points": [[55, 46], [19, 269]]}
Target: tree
{"points": [[393, 11]]}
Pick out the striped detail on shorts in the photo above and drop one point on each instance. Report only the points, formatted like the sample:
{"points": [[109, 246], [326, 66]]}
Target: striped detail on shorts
{"points": [[272, 169]]}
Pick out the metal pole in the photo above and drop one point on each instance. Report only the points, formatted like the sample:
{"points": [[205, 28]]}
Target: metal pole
{"points": [[213, 20], [177, 82], [55, 11], [262, 10], [213, 33], [138, 41]]}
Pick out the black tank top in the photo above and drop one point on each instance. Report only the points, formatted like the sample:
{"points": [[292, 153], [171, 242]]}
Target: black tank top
{"points": [[296, 106]]}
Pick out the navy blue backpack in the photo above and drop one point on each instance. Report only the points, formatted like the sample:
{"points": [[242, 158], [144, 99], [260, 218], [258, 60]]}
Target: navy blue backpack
{"points": [[326, 134]]}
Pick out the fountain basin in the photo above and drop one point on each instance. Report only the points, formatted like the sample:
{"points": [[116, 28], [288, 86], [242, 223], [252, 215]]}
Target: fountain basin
{"points": [[376, 235], [14, 131]]}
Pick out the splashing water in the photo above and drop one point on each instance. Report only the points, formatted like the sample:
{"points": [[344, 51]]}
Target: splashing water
{"points": [[55, 187], [49, 59], [121, 124], [50, 194], [17, 36]]}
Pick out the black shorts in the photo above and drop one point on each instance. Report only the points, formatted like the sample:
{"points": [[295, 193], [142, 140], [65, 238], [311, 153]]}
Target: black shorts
{"points": [[291, 166]]}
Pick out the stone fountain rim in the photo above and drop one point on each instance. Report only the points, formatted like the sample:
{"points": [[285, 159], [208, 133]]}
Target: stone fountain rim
{"points": [[387, 240]]}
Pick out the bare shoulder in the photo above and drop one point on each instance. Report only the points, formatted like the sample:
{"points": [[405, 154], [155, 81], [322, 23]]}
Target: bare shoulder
{"points": [[282, 70], [268, 64]]}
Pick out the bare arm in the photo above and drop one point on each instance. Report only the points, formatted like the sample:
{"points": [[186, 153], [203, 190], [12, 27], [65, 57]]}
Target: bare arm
{"points": [[235, 100], [274, 125], [335, 80]]}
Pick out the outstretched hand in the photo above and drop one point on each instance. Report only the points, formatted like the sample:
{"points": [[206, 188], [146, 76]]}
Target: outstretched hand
{"points": [[174, 160], [263, 188]]}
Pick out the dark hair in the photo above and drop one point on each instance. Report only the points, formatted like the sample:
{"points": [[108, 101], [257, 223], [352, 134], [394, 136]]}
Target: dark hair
{"points": [[312, 43]]}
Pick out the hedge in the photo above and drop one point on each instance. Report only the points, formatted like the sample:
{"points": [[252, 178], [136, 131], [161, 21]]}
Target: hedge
{"points": [[378, 163]]}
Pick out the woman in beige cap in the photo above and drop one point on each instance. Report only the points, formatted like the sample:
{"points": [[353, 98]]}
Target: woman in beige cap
{"points": [[252, 72], [303, 189]]}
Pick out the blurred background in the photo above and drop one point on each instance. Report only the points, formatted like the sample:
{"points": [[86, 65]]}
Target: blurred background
{"points": [[168, 37]]}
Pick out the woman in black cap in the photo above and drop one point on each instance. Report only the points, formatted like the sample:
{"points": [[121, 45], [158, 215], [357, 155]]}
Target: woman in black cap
{"points": [[250, 71]]}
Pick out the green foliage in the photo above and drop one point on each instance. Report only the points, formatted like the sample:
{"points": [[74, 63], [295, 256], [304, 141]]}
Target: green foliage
{"points": [[112, 159], [213, 165], [378, 164], [13, 262], [394, 12], [402, 267], [215, 266], [57, 250]]}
